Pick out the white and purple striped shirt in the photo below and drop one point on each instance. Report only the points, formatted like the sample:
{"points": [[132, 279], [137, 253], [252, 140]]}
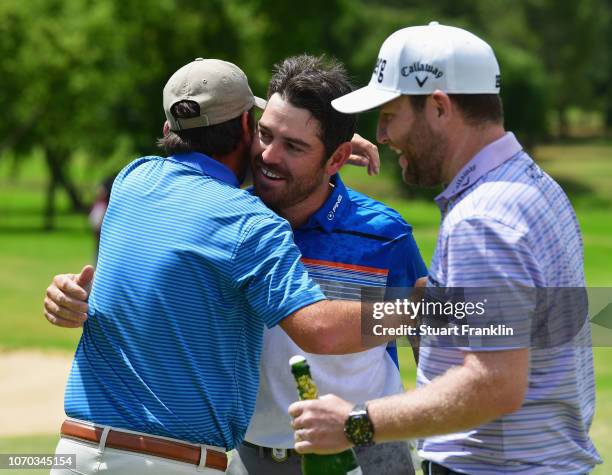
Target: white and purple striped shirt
{"points": [[506, 222]]}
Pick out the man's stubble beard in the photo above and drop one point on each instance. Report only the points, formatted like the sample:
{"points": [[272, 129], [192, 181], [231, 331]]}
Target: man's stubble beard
{"points": [[292, 193], [424, 163]]}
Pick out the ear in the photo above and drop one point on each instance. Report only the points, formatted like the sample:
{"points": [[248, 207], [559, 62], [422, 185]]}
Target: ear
{"points": [[440, 108], [338, 158], [166, 128]]}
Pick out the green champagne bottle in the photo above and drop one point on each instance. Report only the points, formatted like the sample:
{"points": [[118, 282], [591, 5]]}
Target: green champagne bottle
{"points": [[344, 463]]}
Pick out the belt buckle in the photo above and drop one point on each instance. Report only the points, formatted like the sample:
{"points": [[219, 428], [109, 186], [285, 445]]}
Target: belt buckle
{"points": [[279, 455]]}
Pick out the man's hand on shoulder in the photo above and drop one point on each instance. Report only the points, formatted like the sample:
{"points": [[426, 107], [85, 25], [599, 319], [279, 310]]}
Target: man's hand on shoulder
{"points": [[66, 298]]}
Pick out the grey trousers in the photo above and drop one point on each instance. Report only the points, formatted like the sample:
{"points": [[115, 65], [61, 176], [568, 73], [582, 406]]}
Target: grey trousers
{"points": [[391, 458]]}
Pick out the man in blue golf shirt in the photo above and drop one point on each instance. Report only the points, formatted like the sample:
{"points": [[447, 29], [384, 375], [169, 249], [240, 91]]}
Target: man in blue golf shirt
{"points": [[190, 269], [347, 241]]}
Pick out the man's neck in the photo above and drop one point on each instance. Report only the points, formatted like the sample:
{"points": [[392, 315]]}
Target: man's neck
{"points": [[467, 143], [235, 161], [298, 214]]}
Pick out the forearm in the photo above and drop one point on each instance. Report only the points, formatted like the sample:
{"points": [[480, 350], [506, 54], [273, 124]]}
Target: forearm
{"points": [[331, 327], [336, 327], [462, 398]]}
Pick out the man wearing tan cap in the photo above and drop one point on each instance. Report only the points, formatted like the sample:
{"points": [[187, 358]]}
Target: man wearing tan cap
{"points": [[190, 270], [478, 409]]}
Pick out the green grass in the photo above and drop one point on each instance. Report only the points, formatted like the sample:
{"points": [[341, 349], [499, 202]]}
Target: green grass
{"points": [[29, 257], [29, 261]]}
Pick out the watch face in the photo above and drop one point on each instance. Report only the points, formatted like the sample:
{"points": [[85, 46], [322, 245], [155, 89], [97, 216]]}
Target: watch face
{"points": [[359, 428]]}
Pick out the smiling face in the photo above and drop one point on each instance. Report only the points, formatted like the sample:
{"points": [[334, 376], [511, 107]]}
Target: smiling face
{"points": [[288, 157], [420, 149]]}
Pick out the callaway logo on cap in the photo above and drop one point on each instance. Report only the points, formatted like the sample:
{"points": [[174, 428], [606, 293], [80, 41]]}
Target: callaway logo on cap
{"points": [[421, 59]]}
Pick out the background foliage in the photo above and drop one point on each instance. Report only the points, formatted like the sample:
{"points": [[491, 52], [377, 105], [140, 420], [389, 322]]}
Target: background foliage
{"points": [[85, 77]]}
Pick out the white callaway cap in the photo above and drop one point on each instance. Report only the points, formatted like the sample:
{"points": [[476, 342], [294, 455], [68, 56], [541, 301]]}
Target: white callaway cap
{"points": [[420, 59]]}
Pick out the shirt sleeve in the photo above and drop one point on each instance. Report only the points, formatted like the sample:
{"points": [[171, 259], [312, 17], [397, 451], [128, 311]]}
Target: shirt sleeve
{"points": [[406, 263], [267, 268], [405, 267]]}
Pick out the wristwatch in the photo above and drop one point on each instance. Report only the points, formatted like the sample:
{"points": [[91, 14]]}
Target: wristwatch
{"points": [[358, 427]]}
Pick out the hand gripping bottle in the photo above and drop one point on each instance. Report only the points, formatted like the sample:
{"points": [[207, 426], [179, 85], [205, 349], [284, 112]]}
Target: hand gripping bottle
{"points": [[344, 463]]}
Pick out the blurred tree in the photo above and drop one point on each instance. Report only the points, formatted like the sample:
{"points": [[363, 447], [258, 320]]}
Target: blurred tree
{"points": [[570, 37], [604, 83], [51, 86], [524, 94], [280, 29], [80, 75]]}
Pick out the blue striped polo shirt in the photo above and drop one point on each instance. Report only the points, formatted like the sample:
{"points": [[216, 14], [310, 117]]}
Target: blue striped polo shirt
{"points": [[349, 243], [190, 269], [506, 222], [354, 241]]}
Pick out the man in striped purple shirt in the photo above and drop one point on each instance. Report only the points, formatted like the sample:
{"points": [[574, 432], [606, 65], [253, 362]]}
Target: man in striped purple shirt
{"points": [[476, 410]]}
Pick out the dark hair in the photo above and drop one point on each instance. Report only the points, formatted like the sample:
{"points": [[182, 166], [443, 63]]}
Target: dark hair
{"points": [[213, 140], [476, 108], [311, 83]]}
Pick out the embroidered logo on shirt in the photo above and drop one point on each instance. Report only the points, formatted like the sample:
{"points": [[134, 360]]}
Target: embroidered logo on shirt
{"points": [[332, 214], [465, 179]]}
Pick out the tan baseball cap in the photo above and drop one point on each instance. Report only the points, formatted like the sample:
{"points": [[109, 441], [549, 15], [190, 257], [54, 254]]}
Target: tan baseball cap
{"points": [[220, 88]]}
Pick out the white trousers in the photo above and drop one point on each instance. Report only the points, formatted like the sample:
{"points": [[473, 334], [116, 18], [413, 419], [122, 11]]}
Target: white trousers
{"points": [[93, 458]]}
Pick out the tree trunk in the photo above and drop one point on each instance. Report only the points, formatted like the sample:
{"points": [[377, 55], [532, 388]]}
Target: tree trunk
{"points": [[56, 166], [49, 218], [563, 123], [58, 177]]}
